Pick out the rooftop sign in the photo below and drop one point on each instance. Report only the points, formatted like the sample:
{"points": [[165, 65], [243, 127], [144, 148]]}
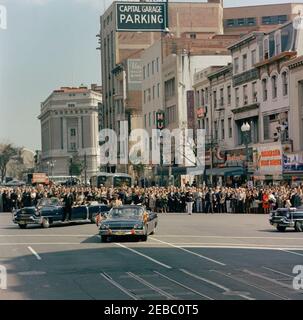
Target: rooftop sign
{"points": [[141, 16]]}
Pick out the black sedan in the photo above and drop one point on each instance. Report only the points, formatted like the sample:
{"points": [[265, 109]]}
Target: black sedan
{"points": [[51, 210], [130, 220], [287, 218]]}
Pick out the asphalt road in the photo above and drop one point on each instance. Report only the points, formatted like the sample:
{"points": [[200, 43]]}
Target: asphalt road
{"points": [[198, 257]]}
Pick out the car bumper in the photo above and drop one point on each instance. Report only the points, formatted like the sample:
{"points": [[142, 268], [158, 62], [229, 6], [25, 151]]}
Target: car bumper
{"points": [[109, 232], [282, 222], [27, 220]]}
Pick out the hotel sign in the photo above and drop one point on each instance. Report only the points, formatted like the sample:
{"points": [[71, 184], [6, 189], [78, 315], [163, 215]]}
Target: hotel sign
{"points": [[145, 16]]}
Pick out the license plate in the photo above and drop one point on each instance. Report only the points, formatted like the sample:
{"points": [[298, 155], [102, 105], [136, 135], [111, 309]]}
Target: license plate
{"points": [[22, 222], [120, 233]]}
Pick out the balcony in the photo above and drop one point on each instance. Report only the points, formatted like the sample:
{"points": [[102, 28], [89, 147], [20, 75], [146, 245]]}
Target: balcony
{"points": [[245, 77]]}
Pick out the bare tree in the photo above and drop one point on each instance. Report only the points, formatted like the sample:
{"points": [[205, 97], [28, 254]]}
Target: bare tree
{"points": [[7, 152]]}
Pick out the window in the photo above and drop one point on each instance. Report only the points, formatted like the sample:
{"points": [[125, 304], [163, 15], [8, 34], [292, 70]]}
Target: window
{"points": [[253, 57], [144, 73], [198, 98], [149, 119], [215, 99], [221, 97], [144, 96], [254, 92], [278, 43], [145, 122], [245, 95], [285, 83], [264, 89], [202, 97], [251, 21], [193, 36], [154, 90], [148, 70], [148, 94], [153, 67], [171, 114], [274, 87], [241, 22], [206, 96], [170, 88], [229, 95], [230, 128], [154, 117], [71, 105], [157, 64], [266, 48], [274, 19], [216, 130], [207, 126], [158, 90], [73, 132], [222, 129], [244, 62], [236, 65], [237, 97], [73, 146]]}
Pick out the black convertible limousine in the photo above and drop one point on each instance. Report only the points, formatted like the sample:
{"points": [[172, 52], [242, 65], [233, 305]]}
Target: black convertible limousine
{"points": [[287, 218], [51, 210]]}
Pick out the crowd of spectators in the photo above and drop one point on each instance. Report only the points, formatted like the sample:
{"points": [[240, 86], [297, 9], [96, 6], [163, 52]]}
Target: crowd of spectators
{"points": [[163, 200]]}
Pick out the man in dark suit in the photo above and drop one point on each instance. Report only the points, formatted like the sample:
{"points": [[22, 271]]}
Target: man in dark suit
{"points": [[68, 205]]}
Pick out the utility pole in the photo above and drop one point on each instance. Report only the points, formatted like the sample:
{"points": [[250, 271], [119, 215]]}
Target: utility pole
{"points": [[85, 169]]}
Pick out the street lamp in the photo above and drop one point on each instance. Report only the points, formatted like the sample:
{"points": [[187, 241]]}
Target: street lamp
{"points": [[246, 135]]}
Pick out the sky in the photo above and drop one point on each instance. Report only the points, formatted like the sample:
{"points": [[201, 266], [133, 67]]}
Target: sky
{"points": [[49, 44]]}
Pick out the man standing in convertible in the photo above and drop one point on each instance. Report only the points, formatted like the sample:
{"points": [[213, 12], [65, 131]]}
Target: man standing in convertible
{"points": [[68, 205]]}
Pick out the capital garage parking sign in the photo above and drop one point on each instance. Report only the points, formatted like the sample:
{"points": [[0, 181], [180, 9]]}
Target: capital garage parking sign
{"points": [[141, 16]]}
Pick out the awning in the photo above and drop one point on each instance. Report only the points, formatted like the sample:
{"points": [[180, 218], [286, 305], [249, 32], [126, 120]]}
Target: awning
{"points": [[226, 172]]}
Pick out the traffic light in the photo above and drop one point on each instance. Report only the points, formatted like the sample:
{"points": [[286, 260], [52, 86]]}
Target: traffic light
{"points": [[160, 120]]}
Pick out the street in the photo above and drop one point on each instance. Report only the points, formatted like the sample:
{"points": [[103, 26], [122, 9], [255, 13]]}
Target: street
{"points": [[198, 257]]}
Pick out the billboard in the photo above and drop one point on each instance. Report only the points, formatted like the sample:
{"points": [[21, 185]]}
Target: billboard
{"points": [[141, 16], [269, 159]]}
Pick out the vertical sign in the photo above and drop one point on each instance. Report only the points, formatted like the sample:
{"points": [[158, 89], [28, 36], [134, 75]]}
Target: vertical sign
{"points": [[190, 109], [160, 120]]}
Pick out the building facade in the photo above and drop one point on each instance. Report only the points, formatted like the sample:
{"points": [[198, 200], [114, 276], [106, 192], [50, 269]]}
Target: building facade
{"points": [[69, 130]]}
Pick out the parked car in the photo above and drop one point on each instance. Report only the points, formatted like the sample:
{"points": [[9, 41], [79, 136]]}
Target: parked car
{"points": [[128, 221], [287, 218], [51, 210]]}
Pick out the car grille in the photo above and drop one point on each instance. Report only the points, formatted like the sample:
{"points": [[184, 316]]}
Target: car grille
{"points": [[121, 227]]}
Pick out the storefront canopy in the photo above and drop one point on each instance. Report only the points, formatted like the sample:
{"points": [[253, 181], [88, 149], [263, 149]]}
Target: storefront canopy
{"points": [[225, 172]]}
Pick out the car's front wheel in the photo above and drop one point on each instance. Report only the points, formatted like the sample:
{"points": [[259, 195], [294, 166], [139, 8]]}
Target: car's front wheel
{"points": [[281, 229], [45, 223], [299, 226], [22, 226]]}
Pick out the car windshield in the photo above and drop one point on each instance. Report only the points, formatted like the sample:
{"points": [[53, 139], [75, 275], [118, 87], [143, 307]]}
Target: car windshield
{"points": [[49, 202], [126, 213]]}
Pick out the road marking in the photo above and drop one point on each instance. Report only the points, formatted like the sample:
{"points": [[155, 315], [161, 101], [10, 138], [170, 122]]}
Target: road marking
{"points": [[145, 256], [261, 276], [34, 253], [50, 235], [181, 244], [188, 251], [151, 286], [227, 290], [296, 253], [278, 272], [183, 286], [117, 285], [226, 237], [251, 285]]}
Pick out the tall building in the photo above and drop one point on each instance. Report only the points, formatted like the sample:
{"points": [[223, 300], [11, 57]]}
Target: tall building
{"points": [[69, 129], [264, 18], [186, 20]]}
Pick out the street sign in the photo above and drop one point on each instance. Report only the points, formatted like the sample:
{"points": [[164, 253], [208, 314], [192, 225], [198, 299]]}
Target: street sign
{"points": [[160, 120], [141, 16]]}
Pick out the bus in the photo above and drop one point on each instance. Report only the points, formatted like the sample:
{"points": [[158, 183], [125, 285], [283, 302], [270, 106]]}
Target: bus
{"points": [[115, 180]]}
